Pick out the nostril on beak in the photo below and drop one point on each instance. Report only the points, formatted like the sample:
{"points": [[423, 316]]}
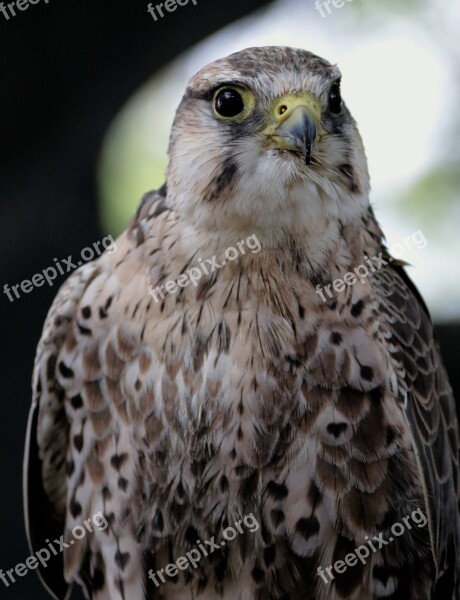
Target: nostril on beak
{"points": [[297, 130]]}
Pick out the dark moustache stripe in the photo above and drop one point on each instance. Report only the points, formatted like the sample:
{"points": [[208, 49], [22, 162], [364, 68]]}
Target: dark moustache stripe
{"points": [[350, 176], [220, 183]]}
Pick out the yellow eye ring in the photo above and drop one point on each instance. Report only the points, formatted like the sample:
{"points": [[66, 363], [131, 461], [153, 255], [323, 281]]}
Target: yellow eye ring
{"points": [[233, 103]]}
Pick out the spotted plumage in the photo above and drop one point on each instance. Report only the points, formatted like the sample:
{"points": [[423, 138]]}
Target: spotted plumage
{"points": [[328, 421]]}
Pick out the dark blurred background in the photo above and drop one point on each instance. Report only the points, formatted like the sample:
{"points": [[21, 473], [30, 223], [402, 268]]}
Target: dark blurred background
{"points": [[67, 69]]}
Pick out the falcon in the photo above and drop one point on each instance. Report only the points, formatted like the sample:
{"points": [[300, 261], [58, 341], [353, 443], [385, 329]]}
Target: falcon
{"points": [[330, 420]]}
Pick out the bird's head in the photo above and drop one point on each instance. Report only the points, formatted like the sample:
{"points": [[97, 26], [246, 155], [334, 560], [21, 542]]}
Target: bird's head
{"points": [[263, 142]]}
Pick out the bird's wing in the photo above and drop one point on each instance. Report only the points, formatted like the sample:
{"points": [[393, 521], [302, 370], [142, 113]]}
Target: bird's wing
{"points": [[430, 412], [45, 457], [46, 493]]}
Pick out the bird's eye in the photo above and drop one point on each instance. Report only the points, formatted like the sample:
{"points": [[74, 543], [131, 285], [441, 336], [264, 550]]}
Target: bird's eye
{"points": [[229, 103], [335, 99]]}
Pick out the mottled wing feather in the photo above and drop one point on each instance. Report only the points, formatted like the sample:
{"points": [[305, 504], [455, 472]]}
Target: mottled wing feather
{"points": [[47, 435], [431, 414], [67, 373]]}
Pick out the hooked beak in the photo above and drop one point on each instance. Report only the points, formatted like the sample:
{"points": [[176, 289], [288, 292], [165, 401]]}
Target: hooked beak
{"points": [[296, 126], [297, 133]]}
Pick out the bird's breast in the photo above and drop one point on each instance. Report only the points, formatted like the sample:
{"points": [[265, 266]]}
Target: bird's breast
{"points": [[296, 426]]}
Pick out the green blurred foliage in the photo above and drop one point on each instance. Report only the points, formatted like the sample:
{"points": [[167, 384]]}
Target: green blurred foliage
{"points": [[126, 174], [434, 195]]}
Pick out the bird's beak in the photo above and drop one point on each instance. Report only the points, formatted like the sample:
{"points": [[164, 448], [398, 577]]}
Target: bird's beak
{"points": [[297, 123]]}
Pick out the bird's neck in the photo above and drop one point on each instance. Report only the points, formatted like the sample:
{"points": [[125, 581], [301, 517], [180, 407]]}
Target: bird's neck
{"points": [[325, 248]]}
